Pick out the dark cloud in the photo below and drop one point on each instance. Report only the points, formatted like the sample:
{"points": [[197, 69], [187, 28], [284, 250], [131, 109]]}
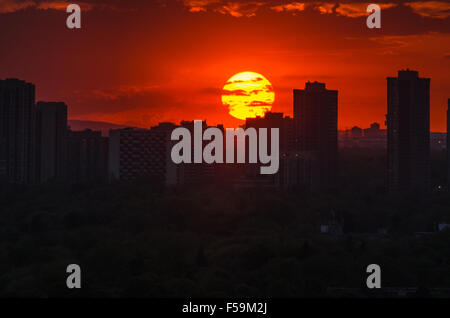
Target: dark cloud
{"points": [[335, 17], [236, 92], [234, 82], [430, 9], [117, 100], [348, 8], [211, 91], [259, 103]]}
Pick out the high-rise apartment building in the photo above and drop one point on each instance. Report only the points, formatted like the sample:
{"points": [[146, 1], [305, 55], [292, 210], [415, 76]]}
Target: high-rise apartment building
{"points": [[315, 121], [17, 143], [136, 153], [51, 141], [448, 143], [408, 122], [87, 156]]}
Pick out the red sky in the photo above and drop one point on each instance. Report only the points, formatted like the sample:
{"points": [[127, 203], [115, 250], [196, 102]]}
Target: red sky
{"points": [[142, 62]]}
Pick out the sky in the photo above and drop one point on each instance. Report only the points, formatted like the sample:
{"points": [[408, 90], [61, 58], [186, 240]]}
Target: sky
{"points": [[142, 62]]}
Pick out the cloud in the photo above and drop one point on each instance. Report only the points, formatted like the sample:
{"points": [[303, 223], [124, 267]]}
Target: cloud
{"points": [[111, 104], [199, 5], [393, 41], [211, 91], [257, 91], [234, 82], [142, 105], [352, 10], [241, 8], [237, 9], [356, 10], [236, 92], [122, 92], [289, 7], [9, 6], [431, 9], [61, 5], [257, 103], [429, 44], [325, 8]]}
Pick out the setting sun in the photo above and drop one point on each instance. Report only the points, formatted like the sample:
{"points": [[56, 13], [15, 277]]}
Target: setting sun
{"points": [[247, 95]]}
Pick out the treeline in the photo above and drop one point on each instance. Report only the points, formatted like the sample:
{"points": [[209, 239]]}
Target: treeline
{"points": [[140, 239]]}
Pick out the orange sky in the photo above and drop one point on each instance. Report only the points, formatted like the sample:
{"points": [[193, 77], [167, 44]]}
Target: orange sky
{"points": [[139, 63]]}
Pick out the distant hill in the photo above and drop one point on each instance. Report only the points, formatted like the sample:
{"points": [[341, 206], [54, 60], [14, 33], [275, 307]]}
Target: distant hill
{"points": [[94, 125]]}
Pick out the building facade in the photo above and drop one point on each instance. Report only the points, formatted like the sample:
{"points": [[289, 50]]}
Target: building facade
{"points": [[135, 153], [295, 167], [17, 125], [408, 124], [315, 120], [197, 173], [51, 141], [448, 143], [87, 156]]}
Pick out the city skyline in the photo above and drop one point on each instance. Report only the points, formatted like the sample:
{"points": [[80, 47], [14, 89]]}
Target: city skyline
{"points": [[106, 126], [39, 142], [224, 156]]}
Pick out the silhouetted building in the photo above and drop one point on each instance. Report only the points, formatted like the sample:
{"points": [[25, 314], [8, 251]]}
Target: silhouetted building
{"points": [[136, 153], [299, 169], [51, 141], [357, 132], [372, 137], [315, 118], [408, 122], [438, 141], [196, 173], [87, 156], [296, 168], [373, 131], [275, 120], [332, 224], [17, 143], [163, 132], [448, 141]]}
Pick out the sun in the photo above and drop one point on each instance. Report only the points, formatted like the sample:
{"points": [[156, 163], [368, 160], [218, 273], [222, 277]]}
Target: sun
{"points": [[247, 95]]}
